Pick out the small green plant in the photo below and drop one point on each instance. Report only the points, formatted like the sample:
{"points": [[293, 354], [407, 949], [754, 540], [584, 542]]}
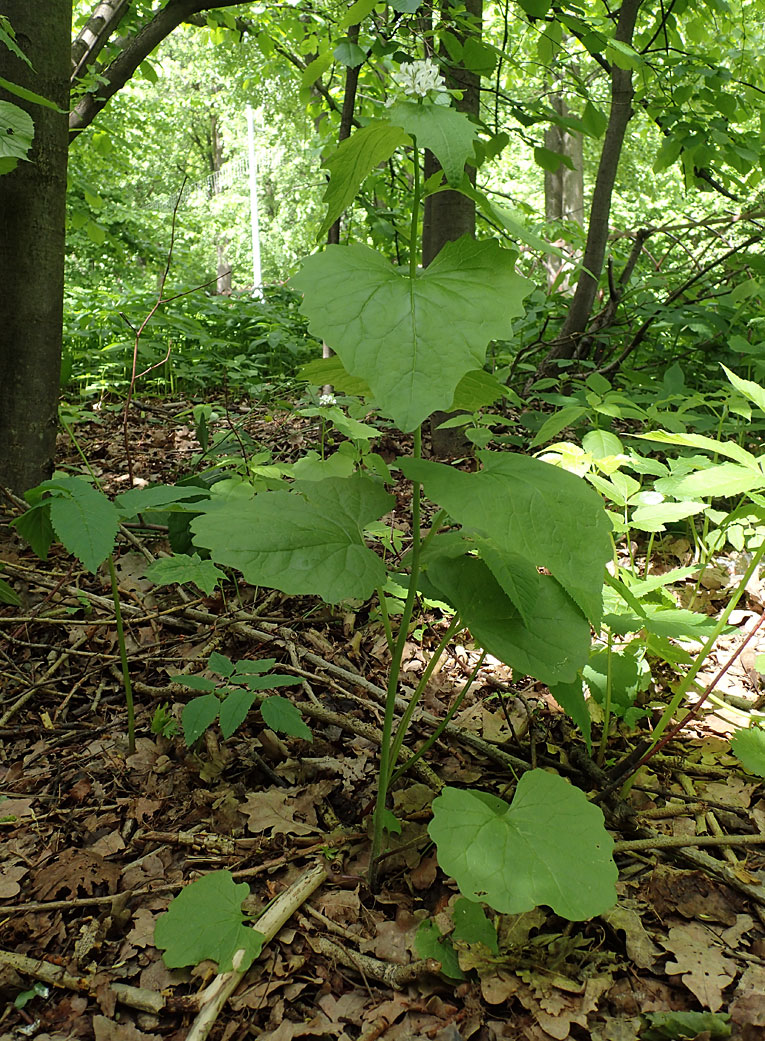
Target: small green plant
{"points": [[229, 699], [163, 723], [87, 523]]}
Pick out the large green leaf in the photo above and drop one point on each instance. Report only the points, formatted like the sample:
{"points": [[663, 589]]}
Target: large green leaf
{"points": [[723, 480], [352, 162], [527, 507], [549, 846], [83, 518], [570, 697], [306, 541], [152, 497], [709, 444], [751, 390], [749, 748], [184, 568], [205, 921], [447, 133], [412, 340], [552, 645], [655, 517]]}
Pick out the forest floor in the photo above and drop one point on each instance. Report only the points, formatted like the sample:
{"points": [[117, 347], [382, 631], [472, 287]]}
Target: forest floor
{"points": [[96, 841]]}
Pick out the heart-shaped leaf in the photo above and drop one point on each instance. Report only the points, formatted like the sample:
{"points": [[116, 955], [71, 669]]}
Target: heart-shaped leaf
{"points": [[549, 846], [525, 507], [412, 339], [205, 921]]}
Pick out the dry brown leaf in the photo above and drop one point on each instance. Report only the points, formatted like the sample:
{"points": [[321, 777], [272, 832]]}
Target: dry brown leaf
{"points": [[640, 947], [10, 876], [107, 1030], [74, 872], [748, 1005], [705, 970]]}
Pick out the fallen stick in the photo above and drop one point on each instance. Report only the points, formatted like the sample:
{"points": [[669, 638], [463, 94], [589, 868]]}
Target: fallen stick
{"points": [[212, 999], [208, 1002]]}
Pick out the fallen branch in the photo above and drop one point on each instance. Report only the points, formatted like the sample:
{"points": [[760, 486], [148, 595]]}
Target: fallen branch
{"points": [[395, 976], [212, 999], [208, 1002]]}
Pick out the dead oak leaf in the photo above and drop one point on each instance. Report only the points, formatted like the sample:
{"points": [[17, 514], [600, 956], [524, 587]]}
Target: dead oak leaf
{"points": [[75, 870], [274, 811], [705, 970]]}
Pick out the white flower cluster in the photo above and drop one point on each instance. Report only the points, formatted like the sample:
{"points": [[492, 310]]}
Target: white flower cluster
{"points": [[417, 79], [327, 399]]}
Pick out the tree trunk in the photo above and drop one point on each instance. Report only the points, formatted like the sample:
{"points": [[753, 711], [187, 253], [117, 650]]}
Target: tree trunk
{"points": [[568, 343], [32, 218], [450, 215], [564, 195], [215, 162]]}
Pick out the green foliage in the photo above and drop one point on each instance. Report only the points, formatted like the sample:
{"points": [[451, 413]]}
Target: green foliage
{"points": [[431, 943], [229, 703], [241, 342], [184, 568], [206, 921], [16, 134], [411, 338], [676, 1026], [471, 925], [520, 508], [309, 540], [549, 846], [749, 748]]}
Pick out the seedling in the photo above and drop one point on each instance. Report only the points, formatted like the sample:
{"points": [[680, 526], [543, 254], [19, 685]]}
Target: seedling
{"points": [[229, 702]]}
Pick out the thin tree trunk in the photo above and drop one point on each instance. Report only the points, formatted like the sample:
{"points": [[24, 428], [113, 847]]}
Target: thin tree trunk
{"points": [[450, 215], [622, 93], [564, 193], [90, 40], [347, 119], [32, 243]]}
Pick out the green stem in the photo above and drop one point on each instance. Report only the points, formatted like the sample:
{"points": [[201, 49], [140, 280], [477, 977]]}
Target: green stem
{"points": [[385, 618], [393, 675], [413, 237], [690, 676], [607, 705], [406, 719], [427, 745], [123, 655]]}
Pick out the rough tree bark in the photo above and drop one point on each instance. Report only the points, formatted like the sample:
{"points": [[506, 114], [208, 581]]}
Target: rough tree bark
{"points": [[32, 219]]}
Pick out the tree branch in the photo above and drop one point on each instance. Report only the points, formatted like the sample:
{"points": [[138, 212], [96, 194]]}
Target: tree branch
{"points": [[136, 50], [89, 42]]}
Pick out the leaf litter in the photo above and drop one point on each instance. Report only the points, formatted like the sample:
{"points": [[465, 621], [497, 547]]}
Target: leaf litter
{"points": [[96, 842]]}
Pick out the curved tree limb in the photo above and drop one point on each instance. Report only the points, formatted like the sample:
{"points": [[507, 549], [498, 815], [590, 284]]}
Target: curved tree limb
{"points": [[137, 48]]}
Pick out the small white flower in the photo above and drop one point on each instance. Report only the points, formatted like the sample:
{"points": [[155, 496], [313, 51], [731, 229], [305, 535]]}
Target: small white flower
{"points": [[417, 79], [327, 399]]}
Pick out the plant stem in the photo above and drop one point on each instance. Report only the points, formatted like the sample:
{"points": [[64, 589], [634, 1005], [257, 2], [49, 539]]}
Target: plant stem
{"points": [[393, 675], [406, 719], [690, 676], [385, 618], [607, 705], [123, 655], [413, 237], [428, 744]]}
